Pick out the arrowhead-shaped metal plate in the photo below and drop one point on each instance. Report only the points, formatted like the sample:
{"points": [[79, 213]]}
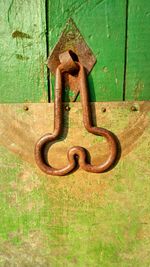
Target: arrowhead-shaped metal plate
{"points": [[71, 39]]}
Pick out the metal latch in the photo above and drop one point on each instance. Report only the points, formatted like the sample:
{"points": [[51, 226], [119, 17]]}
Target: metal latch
{"points": [[76, 154]]}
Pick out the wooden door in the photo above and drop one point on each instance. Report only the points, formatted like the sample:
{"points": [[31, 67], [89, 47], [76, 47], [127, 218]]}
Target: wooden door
{"points": [[81, 219]]}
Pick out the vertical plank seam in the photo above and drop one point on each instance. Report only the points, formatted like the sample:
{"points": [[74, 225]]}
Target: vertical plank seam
{"points": [[125, 50], [47, 48]]}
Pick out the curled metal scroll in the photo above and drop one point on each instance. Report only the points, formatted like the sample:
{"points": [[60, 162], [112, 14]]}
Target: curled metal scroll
{"points": [[74, 68]]}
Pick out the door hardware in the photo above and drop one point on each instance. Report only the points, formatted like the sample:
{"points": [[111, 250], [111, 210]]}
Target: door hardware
{"points": [[72, 39], [76, 69]]}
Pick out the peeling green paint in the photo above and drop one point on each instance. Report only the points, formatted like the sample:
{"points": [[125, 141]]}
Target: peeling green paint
{"points": [[22, 52]]}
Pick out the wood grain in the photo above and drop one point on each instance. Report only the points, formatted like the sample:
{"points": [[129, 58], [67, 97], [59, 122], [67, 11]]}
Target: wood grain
{"points": [[23, 51], [81, 219], [102, 24], [138, 56], [25, 127]]}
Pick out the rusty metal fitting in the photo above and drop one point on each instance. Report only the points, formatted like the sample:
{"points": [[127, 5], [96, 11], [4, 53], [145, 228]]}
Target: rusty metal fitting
{"points": [[76, 153], [103, 109], [67, 63], [67, 108], [134, 108], [25, 107]]}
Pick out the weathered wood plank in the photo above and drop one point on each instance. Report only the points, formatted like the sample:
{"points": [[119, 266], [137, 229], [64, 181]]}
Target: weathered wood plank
{"points": [[102, 24], [82, 219], [138, 56], [22, 51]]}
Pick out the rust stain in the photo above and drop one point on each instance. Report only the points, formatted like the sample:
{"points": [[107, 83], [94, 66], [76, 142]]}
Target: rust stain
{"points": [[130, 136], [71, 39]]}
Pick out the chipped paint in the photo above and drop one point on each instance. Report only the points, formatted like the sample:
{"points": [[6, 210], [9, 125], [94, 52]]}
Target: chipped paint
{"points": [[19, 34]]}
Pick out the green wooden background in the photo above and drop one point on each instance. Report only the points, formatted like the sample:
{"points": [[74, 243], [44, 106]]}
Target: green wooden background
{"points": [[117, 31], [82, 219]]}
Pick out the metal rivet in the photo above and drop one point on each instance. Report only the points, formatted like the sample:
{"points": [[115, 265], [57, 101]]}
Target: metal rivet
{"points": [[134, 108], [67, 108], [25, 108], [103, 109]]}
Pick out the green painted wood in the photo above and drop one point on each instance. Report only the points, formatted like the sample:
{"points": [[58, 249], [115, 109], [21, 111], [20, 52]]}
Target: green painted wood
{"points": [[138, 55], [22, 51], [102, 24]]}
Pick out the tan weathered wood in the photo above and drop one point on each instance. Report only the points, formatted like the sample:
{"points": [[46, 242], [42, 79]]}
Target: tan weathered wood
{"points": [[20, 129]]}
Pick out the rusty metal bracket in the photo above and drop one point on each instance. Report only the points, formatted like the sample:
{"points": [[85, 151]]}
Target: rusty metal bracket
{"points": [[71, 39], [76, 69]]}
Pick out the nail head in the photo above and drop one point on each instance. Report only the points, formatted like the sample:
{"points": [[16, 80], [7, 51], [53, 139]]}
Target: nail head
{"points": [[25, 108], [67, 108], [133, 108], [103, 109]]}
